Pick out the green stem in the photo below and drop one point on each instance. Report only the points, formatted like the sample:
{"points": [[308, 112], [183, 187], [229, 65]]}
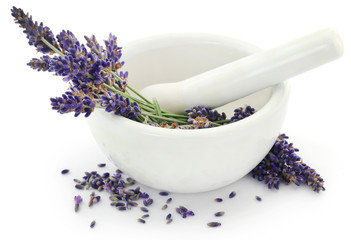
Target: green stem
{"points": [[138, 94], [157, 107], [223, 121], [164, 118], [133, 90], [52, 47], [128, 96], [164, 113]]}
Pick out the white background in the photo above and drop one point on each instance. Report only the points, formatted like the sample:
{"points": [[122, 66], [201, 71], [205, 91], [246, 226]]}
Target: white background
{"points": [[37, 143]]}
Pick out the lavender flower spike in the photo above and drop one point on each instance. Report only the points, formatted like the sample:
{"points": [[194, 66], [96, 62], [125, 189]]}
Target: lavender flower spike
{"points": [[34, 31], [41, 64]]}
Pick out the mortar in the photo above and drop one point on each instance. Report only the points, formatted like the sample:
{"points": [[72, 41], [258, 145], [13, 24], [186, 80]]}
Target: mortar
{"points": [[188, 161]]}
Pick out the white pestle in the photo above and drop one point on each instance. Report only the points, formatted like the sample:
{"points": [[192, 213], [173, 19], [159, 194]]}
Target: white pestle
{"points": [[247, 75]]}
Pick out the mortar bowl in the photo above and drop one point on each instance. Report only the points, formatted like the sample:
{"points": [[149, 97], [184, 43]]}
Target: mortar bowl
{"points": [[189, 161]]}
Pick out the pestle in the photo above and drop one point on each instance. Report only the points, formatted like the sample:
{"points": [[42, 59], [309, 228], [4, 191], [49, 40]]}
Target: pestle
{"points": [[247, 75]]}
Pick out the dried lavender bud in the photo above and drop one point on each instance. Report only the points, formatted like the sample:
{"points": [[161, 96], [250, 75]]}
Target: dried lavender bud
{"points": [[169, 200], [214, 224], [145, 216], [258, 198], [169, 216], [218, 200], [219, 214], [164, 207], [148, 202], [121, 208], [64, 171], [78, 186], [169, 221], [101, 164], [92, 224], [232, 194], [144, 209], [163, 193], [77, 200], [141, 220], [77, 180]]}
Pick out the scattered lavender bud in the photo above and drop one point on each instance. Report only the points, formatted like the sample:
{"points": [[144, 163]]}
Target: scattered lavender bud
{"points": [[64, 171], [258, 198], [121, 208], [77, 180], [169, 216], [92, 224], [145, 216], [169, 221], [141, 220], [78, 186], [77, 200], [214, 224], [219, 214], [101, 165], [120, 204], [164, 207], [218, 200], [169, 200], [163, 193], [144, 209], [232, 194], [148, 202]]}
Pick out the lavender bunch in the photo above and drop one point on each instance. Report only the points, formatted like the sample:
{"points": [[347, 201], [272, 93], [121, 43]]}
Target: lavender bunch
{"points": [[282, 164], [93, 72]]}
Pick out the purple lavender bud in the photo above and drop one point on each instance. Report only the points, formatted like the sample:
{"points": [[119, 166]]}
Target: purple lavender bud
{"points": [[77, 199]]}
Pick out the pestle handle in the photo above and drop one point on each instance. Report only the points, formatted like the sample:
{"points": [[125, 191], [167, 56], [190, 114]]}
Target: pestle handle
{"points": [[249, 74]]}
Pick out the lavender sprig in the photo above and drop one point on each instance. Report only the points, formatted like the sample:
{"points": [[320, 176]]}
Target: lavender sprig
{"points": [[282, 164], [35, 32]]}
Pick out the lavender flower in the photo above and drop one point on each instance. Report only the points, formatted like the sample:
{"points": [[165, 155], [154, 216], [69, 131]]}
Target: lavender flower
{"points": [[200, 122], [119, 105], [114, 53], [67, 40], [241, 113], [282, 164], [199, 111], [35, 32], [41, 64], [70, 102]]}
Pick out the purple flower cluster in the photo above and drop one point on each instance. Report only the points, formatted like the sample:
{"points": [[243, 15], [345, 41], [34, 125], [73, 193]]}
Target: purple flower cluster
{"points": [[119, 105], [241, 113], [35, 32], [211, 115], [41, 64], [282, 164], [90, 72], [71, 102]]}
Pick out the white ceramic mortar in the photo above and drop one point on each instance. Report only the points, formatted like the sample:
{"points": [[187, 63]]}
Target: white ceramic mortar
{"points": [[189, 161]]}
